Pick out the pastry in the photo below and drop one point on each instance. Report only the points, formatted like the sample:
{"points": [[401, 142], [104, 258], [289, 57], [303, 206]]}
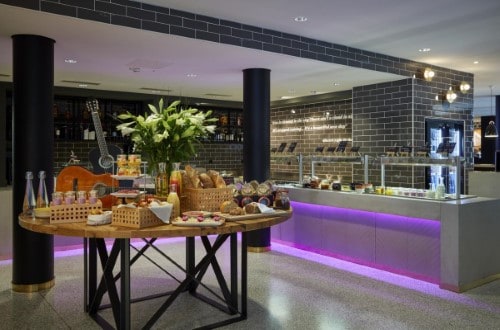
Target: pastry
{"points": [[247, 190], [263, 189]]}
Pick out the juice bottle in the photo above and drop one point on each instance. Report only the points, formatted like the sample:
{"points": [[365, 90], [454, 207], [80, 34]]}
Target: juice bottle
{"points": [[176, 178], [173, 199]]}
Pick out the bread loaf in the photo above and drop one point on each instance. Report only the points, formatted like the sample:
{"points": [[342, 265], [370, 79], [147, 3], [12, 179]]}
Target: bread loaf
{"points": [[206, 182], [220, 183], [228, 206], [252, 208]]}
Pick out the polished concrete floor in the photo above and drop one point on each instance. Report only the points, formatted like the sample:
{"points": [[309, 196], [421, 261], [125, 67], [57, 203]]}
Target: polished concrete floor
{"points": [[288, 289]]}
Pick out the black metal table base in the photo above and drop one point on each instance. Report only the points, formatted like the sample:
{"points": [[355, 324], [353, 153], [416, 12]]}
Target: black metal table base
{"points": [[120, 299]]}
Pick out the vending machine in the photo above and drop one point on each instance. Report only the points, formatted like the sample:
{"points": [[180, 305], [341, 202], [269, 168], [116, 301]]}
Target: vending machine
{"points": [[445, 138]]}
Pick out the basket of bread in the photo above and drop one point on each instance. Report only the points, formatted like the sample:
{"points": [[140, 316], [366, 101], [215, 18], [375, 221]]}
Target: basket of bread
{"points": [[203, 191], [144, 214]]}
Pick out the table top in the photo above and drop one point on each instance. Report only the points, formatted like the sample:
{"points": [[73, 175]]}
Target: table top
{"points": [[81, 229]]}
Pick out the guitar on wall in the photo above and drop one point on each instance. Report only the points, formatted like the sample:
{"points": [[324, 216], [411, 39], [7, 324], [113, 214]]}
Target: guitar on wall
{"points": [[101, 159], [86, 180]]}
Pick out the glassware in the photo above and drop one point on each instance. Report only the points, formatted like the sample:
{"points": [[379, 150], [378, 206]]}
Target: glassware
{"points": [[57, 198], [69, 197], [42, 199], [29, 195], [161, 186], [282, 200], [93, 196], [82, 197]]}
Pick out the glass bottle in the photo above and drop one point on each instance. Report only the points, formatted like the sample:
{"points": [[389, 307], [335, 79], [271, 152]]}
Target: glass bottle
{"points": [[42, 199], [173, 199], [176, 178], [440, 189], [161, 186], [29, 195]]}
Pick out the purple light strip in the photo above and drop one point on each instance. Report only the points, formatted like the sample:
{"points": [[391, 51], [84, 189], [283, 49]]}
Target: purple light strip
{"points": [[366, 220]]}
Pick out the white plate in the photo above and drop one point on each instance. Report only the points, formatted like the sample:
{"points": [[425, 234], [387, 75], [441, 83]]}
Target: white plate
{"points": [[42, 212], [127, 195]]}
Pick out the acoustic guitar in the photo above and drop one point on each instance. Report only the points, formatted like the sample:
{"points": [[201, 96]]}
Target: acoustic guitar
{"points": [[86, 181]]}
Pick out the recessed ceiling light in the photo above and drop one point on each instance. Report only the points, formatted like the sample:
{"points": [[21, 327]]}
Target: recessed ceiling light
{"points": [[424, 50], [83, 85], [286, 97], [70, 61], [300, 19], [476, 62], [191, 75], [336, 84]]}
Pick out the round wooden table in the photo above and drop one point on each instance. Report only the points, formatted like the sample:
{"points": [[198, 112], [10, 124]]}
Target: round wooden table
{"points": [[95, 246]]}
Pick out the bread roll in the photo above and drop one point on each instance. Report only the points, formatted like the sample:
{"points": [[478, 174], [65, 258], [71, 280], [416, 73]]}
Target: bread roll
{"points": [[206, 182], [193, 176]]}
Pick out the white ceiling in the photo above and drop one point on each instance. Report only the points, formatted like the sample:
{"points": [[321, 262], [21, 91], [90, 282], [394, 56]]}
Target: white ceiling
{"points": [[458, 33]]}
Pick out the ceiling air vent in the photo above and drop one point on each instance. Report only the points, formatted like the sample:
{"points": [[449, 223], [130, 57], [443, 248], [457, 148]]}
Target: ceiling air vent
{"points": [[217, 95]]}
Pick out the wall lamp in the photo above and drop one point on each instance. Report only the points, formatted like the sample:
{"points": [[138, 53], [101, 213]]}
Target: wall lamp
{"points": [[451, 96], [429, 74], [464, 87]]}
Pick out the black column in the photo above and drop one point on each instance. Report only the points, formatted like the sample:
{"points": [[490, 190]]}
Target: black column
{"points": [[497, 123], [256, 146], [33, 81]]}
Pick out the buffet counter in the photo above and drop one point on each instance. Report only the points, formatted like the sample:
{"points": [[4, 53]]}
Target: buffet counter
{"points": [[453, 243]]}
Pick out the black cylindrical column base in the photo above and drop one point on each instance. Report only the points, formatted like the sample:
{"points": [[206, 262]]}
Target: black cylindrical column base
{"points": [[256, 146], [33, 81]]}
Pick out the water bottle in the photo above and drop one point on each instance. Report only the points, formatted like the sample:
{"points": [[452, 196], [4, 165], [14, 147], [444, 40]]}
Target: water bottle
{"points": [[29, 195], [42, 199]]}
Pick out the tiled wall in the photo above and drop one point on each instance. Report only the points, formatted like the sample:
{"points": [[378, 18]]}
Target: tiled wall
{"points": [[310, 126], [219, 156], [394, 113]]}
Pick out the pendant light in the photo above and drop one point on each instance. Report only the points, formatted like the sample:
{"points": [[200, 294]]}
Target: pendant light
{"points": [[491, 129]]}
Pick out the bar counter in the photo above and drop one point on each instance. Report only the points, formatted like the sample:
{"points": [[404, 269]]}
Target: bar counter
{"points": [[453, 243]]}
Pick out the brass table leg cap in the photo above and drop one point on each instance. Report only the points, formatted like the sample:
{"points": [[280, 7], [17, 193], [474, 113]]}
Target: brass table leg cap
{"points": [[258, 249]]}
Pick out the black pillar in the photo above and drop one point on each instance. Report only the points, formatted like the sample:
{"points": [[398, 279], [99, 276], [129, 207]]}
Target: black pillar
{"points": [[256, 146], [497, 117], [33, 149]]}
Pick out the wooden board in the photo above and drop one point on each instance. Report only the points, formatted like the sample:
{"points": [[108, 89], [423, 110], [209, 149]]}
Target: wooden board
{"points": [[256, 216]]}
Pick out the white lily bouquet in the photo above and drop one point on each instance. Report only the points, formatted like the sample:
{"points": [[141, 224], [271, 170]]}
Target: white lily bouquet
{"points": [[168, 134]]}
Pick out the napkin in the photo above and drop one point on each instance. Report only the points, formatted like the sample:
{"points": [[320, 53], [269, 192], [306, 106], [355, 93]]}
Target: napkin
{"points": [[162, 210], [265, 209]]}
